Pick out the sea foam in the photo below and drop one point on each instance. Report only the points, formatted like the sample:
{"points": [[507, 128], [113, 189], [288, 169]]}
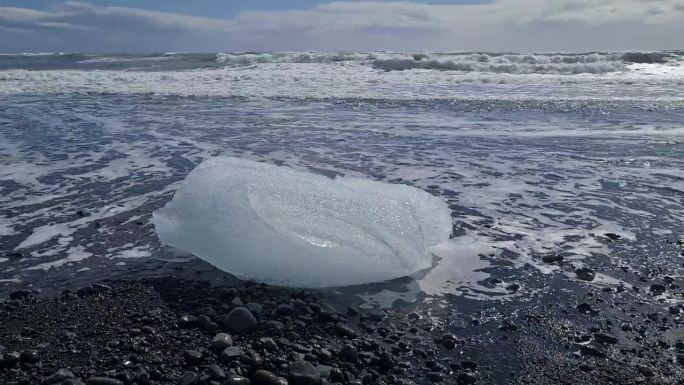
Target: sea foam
{"points": [[287, 227]]}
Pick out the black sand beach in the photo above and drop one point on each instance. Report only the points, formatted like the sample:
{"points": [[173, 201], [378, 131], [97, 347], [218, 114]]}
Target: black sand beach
{"points": [[223, 331]]}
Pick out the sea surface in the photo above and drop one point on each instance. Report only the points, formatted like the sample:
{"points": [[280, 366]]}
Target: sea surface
{"points": [[572, 155]]}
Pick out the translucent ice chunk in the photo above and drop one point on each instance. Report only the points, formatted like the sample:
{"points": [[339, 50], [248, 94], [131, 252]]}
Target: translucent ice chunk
{"points": [[282, 226]]}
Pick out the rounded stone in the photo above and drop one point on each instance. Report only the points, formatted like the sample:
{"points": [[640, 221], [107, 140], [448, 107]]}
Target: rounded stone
{"points": [[240, 320], [304, 373]]}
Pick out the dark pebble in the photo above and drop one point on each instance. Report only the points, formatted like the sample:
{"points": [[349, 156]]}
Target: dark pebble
{"points": [[240, 320], [263, 377], [605, 338], [187, 321], [31, 356], [466, 378], [507, 326], [71, 381], [268, 343], [21, 295], [304, 373], [436, 376], [376, 315], [386, 362], [230, 353], [585, 308], [192, 357], [657, 289], [221, 341], [345, 330], [680, 359], [234, 379], [9, 359], [189, 378], [103, 381], [469, 365], [60, 376], [646, 371], [594, 351], [585, 274], [552, 258], [336, 375], [284, 309], [215, 372], [348, 353]]}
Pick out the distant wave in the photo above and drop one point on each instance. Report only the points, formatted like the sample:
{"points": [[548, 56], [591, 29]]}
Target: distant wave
{"points": [[295, 57], [509, 63]]}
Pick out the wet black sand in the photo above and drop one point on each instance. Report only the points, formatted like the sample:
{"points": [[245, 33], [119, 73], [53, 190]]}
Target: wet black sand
{"points": [[160, 330]]}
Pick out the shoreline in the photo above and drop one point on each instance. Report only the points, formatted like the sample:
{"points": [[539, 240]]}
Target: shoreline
{"points": [[160, 331]]}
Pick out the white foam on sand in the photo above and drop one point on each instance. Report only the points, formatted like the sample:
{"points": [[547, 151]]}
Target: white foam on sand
{"points": [[282, 226], [74, 254], [6, 227]]}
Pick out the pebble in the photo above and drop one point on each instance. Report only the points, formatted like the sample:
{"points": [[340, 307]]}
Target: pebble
{"points": [[263, 377], [285, 309], [585, 274], [9, 359], [103, 381], [585, 308], [31, 356], [255, 307], [646, 371], [612, 236], [386, 362], [234, 379], [552, 258], [336, 375], [657, 289], [436, 376], [345, 330], [189, 378], [71, 381], [507, 326], [304, 373], [469, 365], [215, 372], [680, 359], [59, 376], [19, 295], [231, 353], [240, 320], [605, 338], [376, 315], [324, 370], [221, 341], [592, 350], [348, 353], [268, 343], [192, 357], [466, 378], [187, 321]]}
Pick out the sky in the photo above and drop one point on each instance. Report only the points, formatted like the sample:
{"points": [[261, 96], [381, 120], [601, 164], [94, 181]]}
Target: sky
{"points": [[360, 25]]}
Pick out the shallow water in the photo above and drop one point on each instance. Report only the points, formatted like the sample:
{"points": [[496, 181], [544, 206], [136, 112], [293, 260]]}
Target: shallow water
{"points": [[530, 163]]}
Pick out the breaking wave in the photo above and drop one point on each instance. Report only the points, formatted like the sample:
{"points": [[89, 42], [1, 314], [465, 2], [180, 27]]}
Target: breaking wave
{"points": [[296, 57], [508, 63]]}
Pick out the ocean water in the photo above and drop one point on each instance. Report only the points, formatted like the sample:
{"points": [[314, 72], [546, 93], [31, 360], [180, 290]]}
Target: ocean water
{"points": [[536, 154]]}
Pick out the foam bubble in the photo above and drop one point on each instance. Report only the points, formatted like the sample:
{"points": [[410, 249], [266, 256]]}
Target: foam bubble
{"points": [[293, 228]]}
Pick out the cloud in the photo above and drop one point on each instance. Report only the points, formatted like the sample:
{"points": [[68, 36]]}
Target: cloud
{"points": [[505, 25]]}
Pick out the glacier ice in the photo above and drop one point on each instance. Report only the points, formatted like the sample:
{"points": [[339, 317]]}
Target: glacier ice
{"points": [[286, 227]]}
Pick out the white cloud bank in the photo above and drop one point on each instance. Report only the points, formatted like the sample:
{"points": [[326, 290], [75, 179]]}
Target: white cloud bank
{"points": [[505, 25]]}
